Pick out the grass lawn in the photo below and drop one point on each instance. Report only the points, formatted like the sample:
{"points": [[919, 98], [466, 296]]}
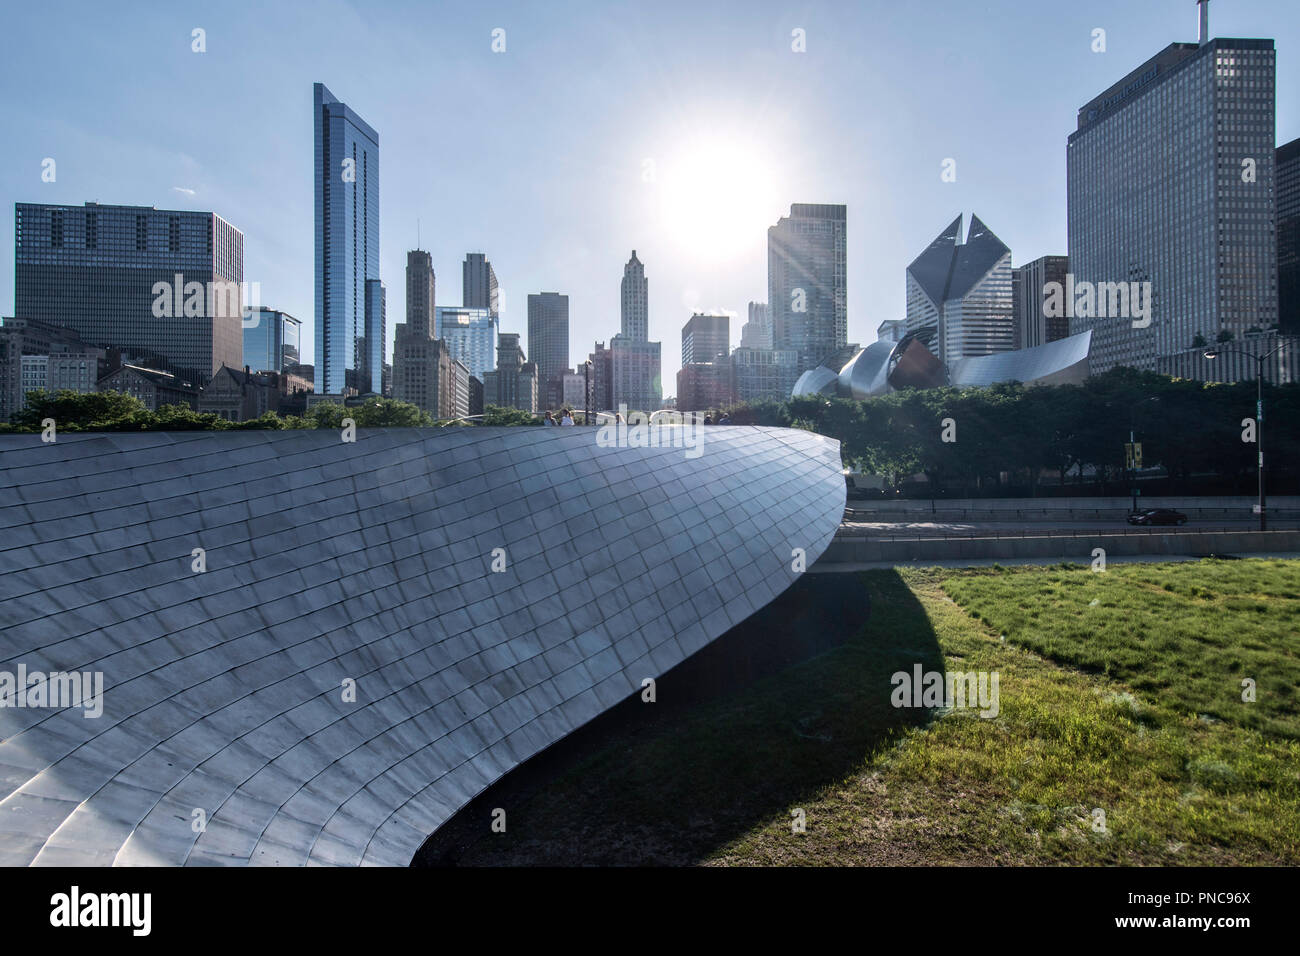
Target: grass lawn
{"points": [[1122, 736]]}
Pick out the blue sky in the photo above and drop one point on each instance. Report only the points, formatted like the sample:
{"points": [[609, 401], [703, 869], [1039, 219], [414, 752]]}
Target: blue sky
{"points": [[538, 155]]}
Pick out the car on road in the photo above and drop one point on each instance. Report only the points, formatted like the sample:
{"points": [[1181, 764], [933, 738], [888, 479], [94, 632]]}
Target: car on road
{"points": [[1157, 516]]}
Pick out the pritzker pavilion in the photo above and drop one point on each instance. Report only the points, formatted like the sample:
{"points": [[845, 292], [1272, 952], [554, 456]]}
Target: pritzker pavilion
{"points": [[315, 651]]}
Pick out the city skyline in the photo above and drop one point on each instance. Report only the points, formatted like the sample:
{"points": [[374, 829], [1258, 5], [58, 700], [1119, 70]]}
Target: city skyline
{"points": [[777, 111]]}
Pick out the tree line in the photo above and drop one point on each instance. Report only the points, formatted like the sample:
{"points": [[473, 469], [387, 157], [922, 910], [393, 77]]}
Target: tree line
{"points": [[1029, 436]]}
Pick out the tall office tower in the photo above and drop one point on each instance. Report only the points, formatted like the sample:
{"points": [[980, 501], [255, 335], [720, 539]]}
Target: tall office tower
{"points": [[420, 291], [164, 286], [757, 332], [705, 336], [271, 339], [806, 288], [479, 284], [425, 374], [513, 383], [634, 360], [1287, 195], [959, 294], [634, 301], [346, 163], [1170, 186], [471, 334], [548, 343], [1029, 288]]}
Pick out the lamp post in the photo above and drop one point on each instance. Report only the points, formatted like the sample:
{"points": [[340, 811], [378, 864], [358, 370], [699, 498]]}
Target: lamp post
{"points": [[1259, 414], [1132, 440]]}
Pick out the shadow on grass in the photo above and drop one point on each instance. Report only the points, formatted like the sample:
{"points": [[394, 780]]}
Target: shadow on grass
{"points": [[790, 700]]}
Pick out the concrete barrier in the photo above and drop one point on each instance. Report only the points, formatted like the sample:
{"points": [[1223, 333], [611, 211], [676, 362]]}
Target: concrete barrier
{"points": [[1228, 506], [854, 550]]}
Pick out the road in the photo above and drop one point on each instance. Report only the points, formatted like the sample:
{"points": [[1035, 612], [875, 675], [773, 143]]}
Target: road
{"points": [[907, 529]]}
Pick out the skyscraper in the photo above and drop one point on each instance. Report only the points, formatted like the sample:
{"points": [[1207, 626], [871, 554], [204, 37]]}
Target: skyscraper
{"points": [[959, 294], [548, 343], [634, 301], [634, 360], [470, 334], [705, 336], [1288, 237], [1033, 326], [425, 374], [806, 289], [271, 340], [1170, 190], [349, 320], [420, 298], [164, 286], [757, 332], [479, 284]]}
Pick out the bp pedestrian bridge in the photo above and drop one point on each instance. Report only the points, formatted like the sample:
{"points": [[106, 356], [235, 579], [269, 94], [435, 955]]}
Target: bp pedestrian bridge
{"points": [[282, 648]]}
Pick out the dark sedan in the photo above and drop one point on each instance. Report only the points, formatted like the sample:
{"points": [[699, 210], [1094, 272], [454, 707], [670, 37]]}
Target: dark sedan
{"points": [[1158, 516]]}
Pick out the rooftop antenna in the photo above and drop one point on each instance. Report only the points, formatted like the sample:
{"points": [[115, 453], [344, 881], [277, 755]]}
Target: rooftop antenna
{"points": [[1204, 6], [417, 232]]}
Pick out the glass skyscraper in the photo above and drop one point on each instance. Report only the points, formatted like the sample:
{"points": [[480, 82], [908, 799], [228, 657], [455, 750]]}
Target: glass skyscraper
{"points": [[271, 340], [470, 334], [959, 300], [349, 310], [110, 274], [806, 288], [1170, 182], [1287, 160]]}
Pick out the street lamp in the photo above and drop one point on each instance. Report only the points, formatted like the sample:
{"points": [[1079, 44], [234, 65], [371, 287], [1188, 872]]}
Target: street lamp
{"points": [[1259, 413], [1132, 440]]}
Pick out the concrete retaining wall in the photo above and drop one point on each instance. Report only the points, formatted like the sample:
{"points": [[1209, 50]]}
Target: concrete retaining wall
{"points": [[1044, 508], [858, 549]]}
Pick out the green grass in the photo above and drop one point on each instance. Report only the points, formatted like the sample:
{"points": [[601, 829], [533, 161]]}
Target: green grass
{"points": [[1120, 703]]}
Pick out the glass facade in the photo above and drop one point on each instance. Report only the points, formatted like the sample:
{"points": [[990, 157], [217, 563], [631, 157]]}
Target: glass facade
{"points": [[1288, 237], [705, 336], [470, 334], [806, 288], [349, 312], [97, 270], [959, 300], [1170, 182], [271, 340]]}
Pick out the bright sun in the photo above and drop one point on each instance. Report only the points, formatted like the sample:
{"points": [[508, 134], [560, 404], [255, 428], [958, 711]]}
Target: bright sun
{"points": [[717, 198]]}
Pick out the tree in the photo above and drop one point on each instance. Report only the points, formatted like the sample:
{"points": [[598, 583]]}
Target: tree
{"points": [[73, 411], [497, 415]]}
